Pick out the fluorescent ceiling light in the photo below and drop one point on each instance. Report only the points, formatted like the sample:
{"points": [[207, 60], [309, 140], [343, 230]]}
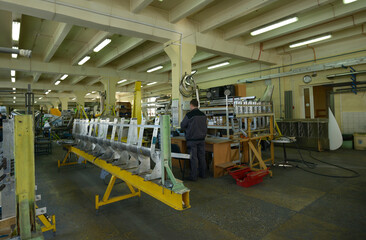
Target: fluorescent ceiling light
{"points": [[35, 101], [152, 83], [84, 60], [348, 1], [13, 101], [310, 41], [102, 45], [88, 94], [122, 81], [16, 31], [73, 99], [40, 98], [64, 77], [14, 89], [46, 93], [93, 99], [194, 71], [154, 69], [218, 65], [49, 90], [14, 55], [13, 79], [93, 91], [12, 73], [274, 26], [14, 97], [57, 82]]}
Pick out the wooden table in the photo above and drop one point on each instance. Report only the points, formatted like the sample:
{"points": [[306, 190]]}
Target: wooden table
{"points": [[221, 149]]}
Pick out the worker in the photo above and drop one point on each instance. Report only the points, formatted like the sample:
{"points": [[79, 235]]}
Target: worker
{"points": [[195, 126]]}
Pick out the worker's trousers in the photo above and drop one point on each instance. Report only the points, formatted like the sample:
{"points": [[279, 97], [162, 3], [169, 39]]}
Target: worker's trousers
{"points": [[198, 162]]}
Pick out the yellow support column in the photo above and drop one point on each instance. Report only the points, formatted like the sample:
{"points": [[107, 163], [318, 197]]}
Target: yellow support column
{"points": [[136, 110]]}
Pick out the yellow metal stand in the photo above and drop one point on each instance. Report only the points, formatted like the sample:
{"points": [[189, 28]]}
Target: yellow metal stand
{"points": [[136, 109], [67, 163], [136, 184], [106, 200], [48, 223]]}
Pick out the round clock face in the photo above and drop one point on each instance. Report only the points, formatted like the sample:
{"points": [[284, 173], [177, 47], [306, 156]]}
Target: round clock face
{"points": [[307, 79]]}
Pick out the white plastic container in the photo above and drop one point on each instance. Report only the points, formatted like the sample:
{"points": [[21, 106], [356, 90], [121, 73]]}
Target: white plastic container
{"points": [[359, 141]]}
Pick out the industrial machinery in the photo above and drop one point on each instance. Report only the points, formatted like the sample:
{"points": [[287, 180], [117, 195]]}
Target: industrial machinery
{"points": [[117, 148]]}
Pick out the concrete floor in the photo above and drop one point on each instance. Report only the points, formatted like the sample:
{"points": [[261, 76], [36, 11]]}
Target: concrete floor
{"points": [[292, 205]]}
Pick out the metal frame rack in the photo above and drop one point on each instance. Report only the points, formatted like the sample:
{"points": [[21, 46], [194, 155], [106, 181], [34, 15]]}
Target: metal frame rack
{"points": [[129, 160]]}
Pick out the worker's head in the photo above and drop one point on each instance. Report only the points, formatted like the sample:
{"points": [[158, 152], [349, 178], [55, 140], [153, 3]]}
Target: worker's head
{"points": [[193, 104]]}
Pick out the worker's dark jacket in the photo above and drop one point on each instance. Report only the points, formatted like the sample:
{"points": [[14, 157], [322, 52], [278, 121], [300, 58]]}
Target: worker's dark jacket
{"points": [[195, 125]]}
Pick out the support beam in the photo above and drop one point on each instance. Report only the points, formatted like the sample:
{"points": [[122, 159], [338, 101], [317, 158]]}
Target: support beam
{"points": [[186, 8], [99, 37], [36, 76], [227, 11], [144, 53], [291, 8], [77, 79], [80, 97], [59, 67], [332, 27], [60, 34], [93, 81], [137, 5], [309, 19], [125, 47], [122, 21], [200, 56], [23, 84]]}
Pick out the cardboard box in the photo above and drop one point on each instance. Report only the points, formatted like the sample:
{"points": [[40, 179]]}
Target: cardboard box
{"points": [[240, 90]]}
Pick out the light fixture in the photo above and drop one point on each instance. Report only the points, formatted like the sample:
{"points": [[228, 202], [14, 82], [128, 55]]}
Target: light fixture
{"points": [[348, 1], [57, 82], [64, 77], [14, 89], [93, 91], [93, 99], [274, 26], [88, 94], [14, 98], [14, 55], [318, 39], [16, 30], [152, 83], [13, 101], [73, 99], [12, 73], [124, 80], [154, 69], [40, 98], [13, 79], [194, 71], [49, 90], [35, 101], [218, 65], [46, 93], [84, 60], [102, 45]]}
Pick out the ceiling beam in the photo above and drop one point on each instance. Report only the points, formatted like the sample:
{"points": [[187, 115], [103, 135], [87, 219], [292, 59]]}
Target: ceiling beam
{"points": [[35, 65], [97, 16], [140, 54], [36, 76], [93, 81], [186, 8], [336, 36], [274, 15], [89, 46], [309, 19], [58, 37], [137, 5], [227, 11], [125, 47], [23, 84], [200, 56], [77, 79], [329, 27]]}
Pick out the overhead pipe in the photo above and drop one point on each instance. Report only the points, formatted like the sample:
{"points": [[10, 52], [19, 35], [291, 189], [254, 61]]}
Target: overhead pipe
{"points": [[21, 52]]}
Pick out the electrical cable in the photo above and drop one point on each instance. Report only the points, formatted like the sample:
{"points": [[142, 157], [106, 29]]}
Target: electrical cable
{"points": [[312, 165]]}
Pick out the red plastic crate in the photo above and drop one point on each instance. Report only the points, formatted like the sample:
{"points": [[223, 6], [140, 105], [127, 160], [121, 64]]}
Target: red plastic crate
{"points": [[245, 177]]}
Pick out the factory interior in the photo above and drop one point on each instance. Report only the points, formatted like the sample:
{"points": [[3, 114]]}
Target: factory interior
{"points": [[182, 119]]}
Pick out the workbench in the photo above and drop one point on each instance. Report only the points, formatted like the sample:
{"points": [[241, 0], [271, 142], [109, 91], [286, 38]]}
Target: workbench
{"points": [[220, 147]]}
